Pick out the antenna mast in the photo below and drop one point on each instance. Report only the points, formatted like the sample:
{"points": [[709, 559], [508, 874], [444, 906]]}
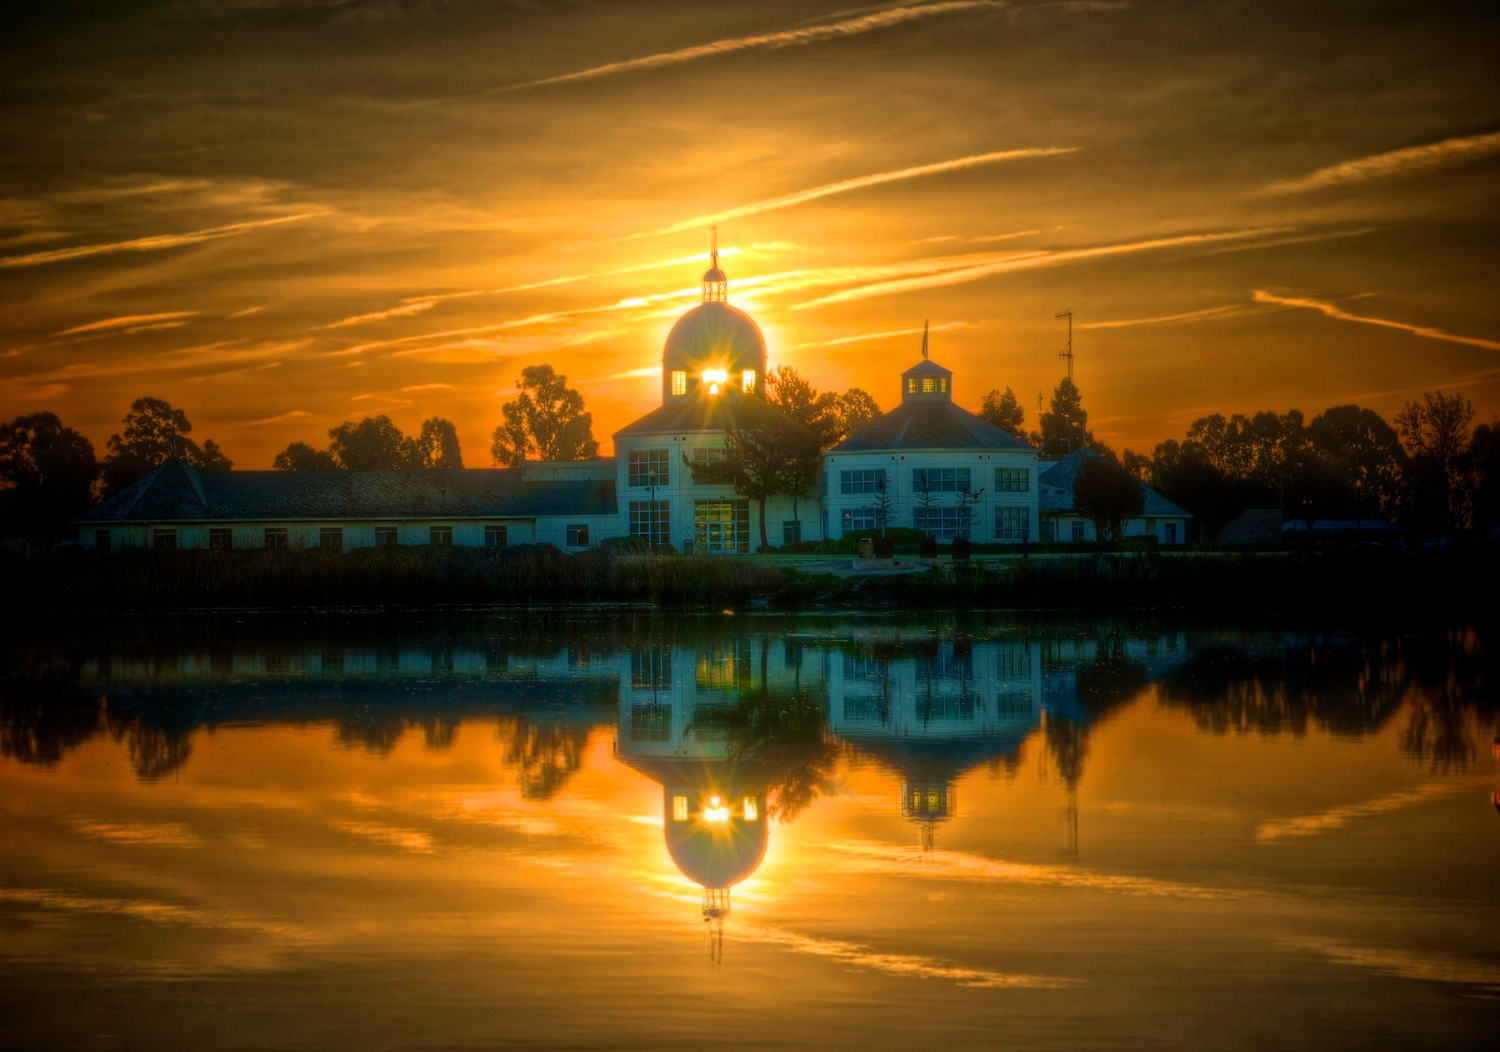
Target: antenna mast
{"points": [[1068, 354]]}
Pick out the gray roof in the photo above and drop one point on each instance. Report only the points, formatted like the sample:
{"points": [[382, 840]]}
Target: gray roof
{"points": [[1056, 488], [713, 413], [930, 425], [175, 492]]}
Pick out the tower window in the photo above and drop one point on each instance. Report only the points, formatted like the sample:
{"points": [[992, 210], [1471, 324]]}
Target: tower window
{"points": [[679, 809], [943, 384], [747, 380], [929, 385], [911, 385], [679, 382]]}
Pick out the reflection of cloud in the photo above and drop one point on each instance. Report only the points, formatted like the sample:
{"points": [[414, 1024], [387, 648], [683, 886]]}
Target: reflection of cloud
{"points": [[955, 865], [1307, 825], [395, 312], [879, 178], [1397, 164], [1026, 260], [147, 244], [130, 322], [1261, 296], [1407, 964], [405, 839], [154, 834], [899, 964], [785, 38]]}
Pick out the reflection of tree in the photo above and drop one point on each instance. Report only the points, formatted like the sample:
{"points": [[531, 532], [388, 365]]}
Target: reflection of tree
{"points": [[155, 752], [781, 736], [1104, 684], [546, 753], [373, 733], [438, 732], [40, 721], [1451, 703]]}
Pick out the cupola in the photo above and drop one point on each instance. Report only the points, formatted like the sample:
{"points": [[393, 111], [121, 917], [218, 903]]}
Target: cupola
{"points": [[926, 381]]}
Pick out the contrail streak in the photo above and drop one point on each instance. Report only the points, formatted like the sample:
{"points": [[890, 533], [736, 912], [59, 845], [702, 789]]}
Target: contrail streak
{"points": [[785, 38], [147, 244], [1397, 164], [127, 322], [1261, 296], [879, 178]]}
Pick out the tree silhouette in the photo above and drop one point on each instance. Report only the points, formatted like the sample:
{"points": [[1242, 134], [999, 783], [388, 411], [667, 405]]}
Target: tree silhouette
{"points": [[1435, 433], [155, 433], [1104, 492], [857, 409], [774, 455], [1064, 425], [299, 456], [545, 422], [47, 471], [437, 445], [830, 417], [1005, 412], [373, 443]]}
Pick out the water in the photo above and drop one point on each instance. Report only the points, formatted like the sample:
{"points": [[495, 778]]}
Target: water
{"points": [[486, 831]]}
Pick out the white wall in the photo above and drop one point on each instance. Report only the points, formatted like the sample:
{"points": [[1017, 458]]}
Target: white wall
{"points": [[906, 501]]}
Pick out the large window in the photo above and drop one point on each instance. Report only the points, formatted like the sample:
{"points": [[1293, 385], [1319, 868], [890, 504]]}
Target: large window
{"points": [[1012, 480], [651, 521], [941, 524], [1169, 532], [649, 467], [331, 537], [721, 526], [440, 536], [1077, 531], [386, 537], [578, 536], [863, 481], [747, 380], [940, 480], [1012, 524], [496, 536], [220, 540], [860, 520], [164, 540], [275, 537], [650, 668]]}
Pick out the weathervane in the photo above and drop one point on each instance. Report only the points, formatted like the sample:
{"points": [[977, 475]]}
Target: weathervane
{"points": [[924, 340]]}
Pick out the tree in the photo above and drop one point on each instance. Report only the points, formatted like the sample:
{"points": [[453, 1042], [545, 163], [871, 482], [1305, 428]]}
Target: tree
{"points": [[1064, 425], [885, 504], [761, 460], [545, 422], [1005, 412], [437, 445], [856, 411], [1183, 475], [1435, 433], [299, 456], [968, 500], [1484, 453], [155, 433], [372, 444], [1364, 448], [1104, 492], [47, 471]]}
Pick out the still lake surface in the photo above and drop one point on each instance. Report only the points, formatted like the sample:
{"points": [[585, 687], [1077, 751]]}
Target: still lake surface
{"points": [[631, 831]]}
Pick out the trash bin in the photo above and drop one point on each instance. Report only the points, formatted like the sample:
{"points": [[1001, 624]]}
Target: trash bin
{"points": [[866, 548]]}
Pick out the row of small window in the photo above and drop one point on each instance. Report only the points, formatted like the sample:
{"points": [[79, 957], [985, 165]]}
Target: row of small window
{"points": [[222, 539], [714, 378], [717, 810], [934, 480], [944, 524], [927, 385]]}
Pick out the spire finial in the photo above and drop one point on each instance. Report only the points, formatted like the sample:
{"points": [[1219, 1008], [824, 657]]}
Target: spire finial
{"points": [[715, 284], [714, 249], [924, 340]]}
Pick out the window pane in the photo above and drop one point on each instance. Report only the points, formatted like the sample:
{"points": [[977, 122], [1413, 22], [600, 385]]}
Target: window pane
{"points": [[496, 536], [679, 382], [331, 537], [649, 467], [651, 521]]}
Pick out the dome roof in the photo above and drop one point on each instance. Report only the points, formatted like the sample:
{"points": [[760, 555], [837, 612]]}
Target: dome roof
{"points": [[715, 330], [714, 274]]}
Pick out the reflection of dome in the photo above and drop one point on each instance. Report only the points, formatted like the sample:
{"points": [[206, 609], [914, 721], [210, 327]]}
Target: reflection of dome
{"points": [[716, 855], [716, 332]]}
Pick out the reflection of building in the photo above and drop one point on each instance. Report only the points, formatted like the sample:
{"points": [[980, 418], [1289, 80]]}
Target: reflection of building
{"points": [[933, 709]]}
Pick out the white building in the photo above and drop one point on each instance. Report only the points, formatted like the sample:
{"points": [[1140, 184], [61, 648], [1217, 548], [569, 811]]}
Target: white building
{"points": [[932, 465], [1062, 521]]}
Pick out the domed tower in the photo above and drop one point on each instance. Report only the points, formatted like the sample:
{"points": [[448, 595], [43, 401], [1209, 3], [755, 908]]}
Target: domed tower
{"points": [[713, 348]]}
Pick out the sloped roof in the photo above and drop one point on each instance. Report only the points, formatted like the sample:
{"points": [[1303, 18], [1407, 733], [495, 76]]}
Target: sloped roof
{"points": [[929, 425], [1056, 488], [927, 367], [717, 413], [175, 492]]}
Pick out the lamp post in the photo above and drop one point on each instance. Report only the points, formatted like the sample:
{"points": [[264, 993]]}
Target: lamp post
{"points": [[651, 539]]}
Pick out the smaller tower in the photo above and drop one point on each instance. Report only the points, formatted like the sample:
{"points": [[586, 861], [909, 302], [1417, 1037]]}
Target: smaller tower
{"points": [[927, 381]]}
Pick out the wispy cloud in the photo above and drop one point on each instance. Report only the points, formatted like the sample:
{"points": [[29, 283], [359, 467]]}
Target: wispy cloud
{"points": [[127, 322], [1027, 260], [1262, 296], [1397, 164], [428, 387], [279, 418], [864, 337], [1228, 310], [405, 311], [1407, 964], [700, 257], [784, 38], [860, 183], [148, 244]]}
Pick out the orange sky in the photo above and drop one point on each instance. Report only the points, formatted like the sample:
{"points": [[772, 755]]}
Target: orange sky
{"points": [[284, 214]]}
